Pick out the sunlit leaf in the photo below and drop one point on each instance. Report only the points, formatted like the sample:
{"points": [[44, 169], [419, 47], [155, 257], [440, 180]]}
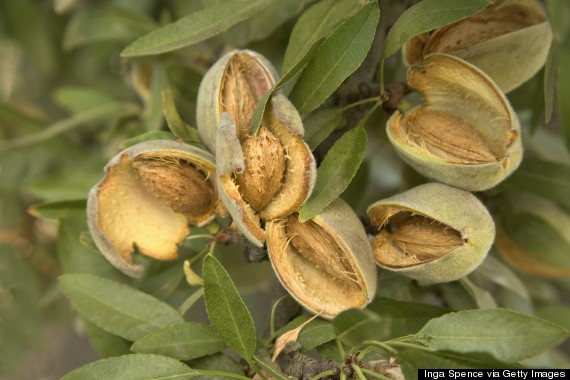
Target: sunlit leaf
{"points": [[261, 105], [505, 334], [337, 57], [336, 171], [195, 27], [115, 307], [227, 312], [132, 367], [317, 22], [184, 342]]}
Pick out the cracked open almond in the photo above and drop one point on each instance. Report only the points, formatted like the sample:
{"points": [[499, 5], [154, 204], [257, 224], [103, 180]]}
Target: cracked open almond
{"points": [[465, 133], [150, 194], [433, 232], [264, 176], [234, 84], [326, 263], [508, 40]]}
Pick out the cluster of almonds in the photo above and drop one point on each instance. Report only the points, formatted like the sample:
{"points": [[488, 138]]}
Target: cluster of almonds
{"points": [[464, 135]]}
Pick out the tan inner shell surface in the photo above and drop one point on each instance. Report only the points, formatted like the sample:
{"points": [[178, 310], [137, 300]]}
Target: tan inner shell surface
{"points": [[499, 19], [244, 83], [314, 266], [179, 184], [407, 239], [129, 214], [443, 135]]}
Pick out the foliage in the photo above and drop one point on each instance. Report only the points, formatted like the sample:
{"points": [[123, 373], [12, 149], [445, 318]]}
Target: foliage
{"points": [[81, 80]]}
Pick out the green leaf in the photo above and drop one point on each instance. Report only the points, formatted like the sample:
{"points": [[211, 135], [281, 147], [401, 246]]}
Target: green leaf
{"points": [[563, 92], [105, 343], [317, 22], [264, 24], [540, 239], [78, 99], [73, 256], [550, 77], [413, 360], [556, 313], [260, 108], [115, 307], [319, 125], [428, 15], [195, 27], [338, 57], [336, 171], [218, 362], [505, 334], [104, 22], [494, 270], [548, 179], [177, 126], [132, 367], [315, 333], [58, 209], [226, 310], [184, 342], [384, 318], [482, 298]]}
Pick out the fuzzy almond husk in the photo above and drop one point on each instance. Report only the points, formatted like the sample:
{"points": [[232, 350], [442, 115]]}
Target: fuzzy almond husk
{"points": [[264, 176], [326, 263], [150, 194], [432, 233], [465, 134], [508, 40], [234, 84]]}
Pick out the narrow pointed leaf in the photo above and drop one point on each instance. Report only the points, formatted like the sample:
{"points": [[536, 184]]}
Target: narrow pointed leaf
{"points": [[184, 342], [548, 179], [413, 360], [195, 27], [428, 15], [550, 77], [175, 123], [384, 318], [262, 104], [317, 22], [132, 367], [506, 334], [338, 57], [117, 308], [494, 270], [336, 171], [320, 124], [563, 91], [227, 312]]}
